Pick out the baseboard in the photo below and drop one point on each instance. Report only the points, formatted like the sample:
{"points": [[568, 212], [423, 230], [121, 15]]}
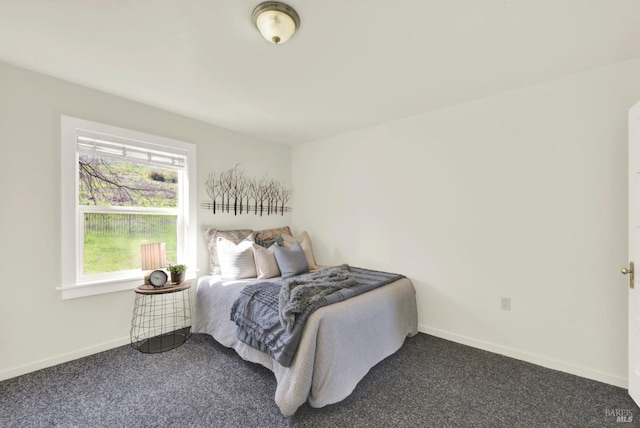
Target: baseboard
{"points": [[528, 357], [50, 362]]}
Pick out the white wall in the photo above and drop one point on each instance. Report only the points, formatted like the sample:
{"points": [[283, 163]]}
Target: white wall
{"points": [[38, 328], [519, 195]]}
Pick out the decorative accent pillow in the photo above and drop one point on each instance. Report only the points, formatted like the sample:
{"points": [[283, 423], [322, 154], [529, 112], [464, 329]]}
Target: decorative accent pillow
{"points": [[268, 235], [266, 264], [266, 244], [236, 261], [212, 235], [291, 261], [305, 242]]}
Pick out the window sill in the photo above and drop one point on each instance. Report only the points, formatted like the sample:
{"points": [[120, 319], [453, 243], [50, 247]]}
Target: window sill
{"points": [[85, 290]]}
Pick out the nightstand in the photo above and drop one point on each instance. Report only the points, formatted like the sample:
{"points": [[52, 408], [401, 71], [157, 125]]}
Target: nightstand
{"points": [[161, 317]]}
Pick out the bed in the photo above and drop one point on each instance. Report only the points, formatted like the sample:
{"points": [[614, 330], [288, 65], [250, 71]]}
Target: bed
{"points": [[339, 344]]}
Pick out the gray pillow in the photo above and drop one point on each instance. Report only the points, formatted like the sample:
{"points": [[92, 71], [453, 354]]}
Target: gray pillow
{"points": [[291, 261], [266, 244]]}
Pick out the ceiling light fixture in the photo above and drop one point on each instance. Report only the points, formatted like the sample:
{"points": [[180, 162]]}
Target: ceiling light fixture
{"points": [[276, 21]]}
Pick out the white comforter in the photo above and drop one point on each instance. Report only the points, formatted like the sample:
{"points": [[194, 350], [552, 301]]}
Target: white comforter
{"points": [[339, 345]]}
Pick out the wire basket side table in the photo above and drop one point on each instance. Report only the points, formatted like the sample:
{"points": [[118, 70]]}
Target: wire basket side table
{"points": [[161, 317]]}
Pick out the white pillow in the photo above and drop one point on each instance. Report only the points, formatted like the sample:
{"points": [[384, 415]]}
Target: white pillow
{"points": [[236, 261], [305, 243], [266, 264]]}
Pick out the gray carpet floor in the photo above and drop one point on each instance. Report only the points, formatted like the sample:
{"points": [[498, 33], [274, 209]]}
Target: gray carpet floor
{"points": [[430, 382]]}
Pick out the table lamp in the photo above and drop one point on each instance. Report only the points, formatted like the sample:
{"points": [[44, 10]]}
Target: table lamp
{"points": [[154, 257]]}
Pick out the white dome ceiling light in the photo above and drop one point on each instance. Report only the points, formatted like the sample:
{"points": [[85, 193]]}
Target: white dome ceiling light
{"points": [[276, 21]]}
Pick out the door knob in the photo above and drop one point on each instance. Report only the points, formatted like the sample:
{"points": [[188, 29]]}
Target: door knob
{"points": [[629, 271]]}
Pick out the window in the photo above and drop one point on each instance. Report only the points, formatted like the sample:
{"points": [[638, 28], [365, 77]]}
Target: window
{"points": [[122, 189]]}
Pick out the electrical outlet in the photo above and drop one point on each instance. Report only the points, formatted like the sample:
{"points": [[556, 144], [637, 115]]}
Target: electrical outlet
{"points": [[505, 303]]}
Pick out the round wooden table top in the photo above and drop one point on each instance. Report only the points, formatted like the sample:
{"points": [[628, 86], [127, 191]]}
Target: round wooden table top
{"points": [[167, 288]]}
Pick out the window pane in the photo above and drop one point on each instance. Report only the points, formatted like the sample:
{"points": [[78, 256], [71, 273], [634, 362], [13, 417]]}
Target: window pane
{"points": [[112, 241], [106, 182]]}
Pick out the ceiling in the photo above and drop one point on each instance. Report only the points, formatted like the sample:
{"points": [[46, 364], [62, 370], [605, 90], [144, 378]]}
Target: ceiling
{"points": [[352, 64]]}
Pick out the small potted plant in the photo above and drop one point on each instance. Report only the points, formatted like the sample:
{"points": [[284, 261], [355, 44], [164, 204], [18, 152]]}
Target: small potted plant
{"points": [[177, 273]]}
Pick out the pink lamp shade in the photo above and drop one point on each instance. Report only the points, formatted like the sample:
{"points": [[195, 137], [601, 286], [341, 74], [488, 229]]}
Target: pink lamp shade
{"points": [[154, 256]]}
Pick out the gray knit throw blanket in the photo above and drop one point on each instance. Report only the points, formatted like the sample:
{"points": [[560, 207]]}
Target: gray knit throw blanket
{"points": [[263, 325], [305, 291]]}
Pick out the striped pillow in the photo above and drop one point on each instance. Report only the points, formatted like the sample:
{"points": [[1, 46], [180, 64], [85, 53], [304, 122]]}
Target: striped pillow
{"points": [[236, 261], [211, 235]]}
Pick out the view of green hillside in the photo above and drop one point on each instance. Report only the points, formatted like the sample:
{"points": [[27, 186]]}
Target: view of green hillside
{"points": [[124, 184], [112, 240]]}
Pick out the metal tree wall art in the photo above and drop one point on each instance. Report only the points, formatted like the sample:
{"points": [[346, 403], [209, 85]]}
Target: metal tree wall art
{"points": [[232, 191]]}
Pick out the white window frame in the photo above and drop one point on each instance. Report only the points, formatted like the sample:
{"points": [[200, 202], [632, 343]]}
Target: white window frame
{"points": [[74, 283]]}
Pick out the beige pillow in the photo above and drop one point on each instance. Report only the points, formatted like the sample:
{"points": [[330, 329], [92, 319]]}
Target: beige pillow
{"points": [[305, 243], [266, 264], [212, 235]]}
